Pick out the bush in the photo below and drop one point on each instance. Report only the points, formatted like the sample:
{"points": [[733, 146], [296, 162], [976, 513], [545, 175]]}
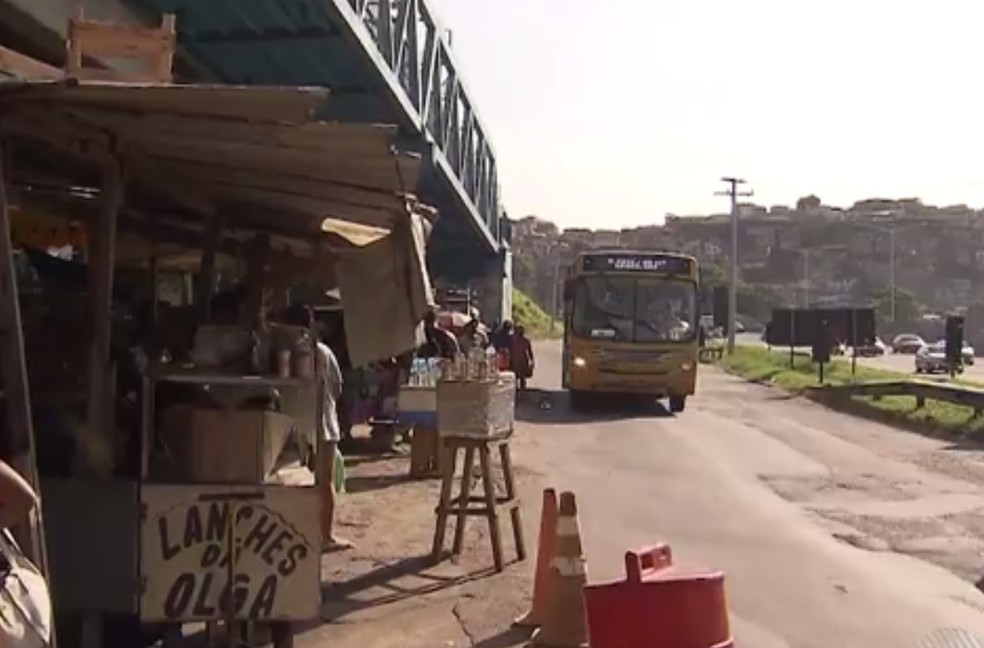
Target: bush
{"points": [[537, 322]]}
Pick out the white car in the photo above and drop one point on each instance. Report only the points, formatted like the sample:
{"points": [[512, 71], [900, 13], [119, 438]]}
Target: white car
{"points": [[872, 349], [907, 343], [931, 358], [968, 354]]}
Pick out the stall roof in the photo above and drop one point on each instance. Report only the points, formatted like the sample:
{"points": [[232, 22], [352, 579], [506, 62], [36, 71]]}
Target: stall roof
{"points": [[259, 155]]}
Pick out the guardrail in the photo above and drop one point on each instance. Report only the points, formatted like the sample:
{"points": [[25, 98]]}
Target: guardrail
{"points": [[921, 390]]}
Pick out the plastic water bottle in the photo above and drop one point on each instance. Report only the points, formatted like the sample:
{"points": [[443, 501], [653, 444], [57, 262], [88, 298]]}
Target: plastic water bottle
{"points": [[492, 362], [415, 373], [433, 371]]}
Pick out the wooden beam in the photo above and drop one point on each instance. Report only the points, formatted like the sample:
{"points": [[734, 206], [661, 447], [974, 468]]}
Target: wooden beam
{"points": [[99, 440], [258, 254], [325, 137], [25, 67]]}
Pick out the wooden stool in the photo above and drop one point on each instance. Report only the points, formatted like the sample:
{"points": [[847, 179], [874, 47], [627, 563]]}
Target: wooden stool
{"points": [[489, 503], [425, 452]]}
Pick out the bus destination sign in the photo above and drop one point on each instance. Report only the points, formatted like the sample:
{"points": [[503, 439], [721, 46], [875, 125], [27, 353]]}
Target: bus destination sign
{"points": [[637, 263]]}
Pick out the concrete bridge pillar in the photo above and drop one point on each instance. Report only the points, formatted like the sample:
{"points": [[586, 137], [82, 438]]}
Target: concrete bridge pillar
{"points": [[495, 302]]}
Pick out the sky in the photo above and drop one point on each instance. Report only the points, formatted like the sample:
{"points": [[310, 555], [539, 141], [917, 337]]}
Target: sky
{"points": [[612, 113]]}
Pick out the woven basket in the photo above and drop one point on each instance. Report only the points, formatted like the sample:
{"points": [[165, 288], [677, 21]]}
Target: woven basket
{"points": [[476, 409]]}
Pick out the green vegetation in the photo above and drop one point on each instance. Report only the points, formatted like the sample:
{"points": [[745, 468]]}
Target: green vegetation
{"points": [[536, 321], [907, 311], [762, 365]]}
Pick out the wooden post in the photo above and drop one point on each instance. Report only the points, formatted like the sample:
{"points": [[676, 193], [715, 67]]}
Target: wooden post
{"points": [[257, 257], [15, 382], [99, 440], [153, 267], [205, 283]]}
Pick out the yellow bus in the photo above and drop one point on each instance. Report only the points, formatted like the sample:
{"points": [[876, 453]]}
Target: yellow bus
{"points": [[631, 321]]}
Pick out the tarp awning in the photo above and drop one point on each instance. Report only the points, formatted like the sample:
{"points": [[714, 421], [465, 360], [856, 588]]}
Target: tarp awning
{"points": [[257, 153]]}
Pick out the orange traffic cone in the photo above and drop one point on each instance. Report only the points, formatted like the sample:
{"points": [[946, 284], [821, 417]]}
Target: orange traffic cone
{"points": [[546, 548], [564, 624]]}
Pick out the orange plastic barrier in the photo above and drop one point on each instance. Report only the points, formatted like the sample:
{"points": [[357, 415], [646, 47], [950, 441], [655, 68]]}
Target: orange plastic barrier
{"points": [[658, 606]]}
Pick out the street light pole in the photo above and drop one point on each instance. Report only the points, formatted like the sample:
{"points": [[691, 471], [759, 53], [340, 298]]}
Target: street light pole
{"points": [[891, 262], [733, 193], [555, 284], [891, 230], [806, 278]]}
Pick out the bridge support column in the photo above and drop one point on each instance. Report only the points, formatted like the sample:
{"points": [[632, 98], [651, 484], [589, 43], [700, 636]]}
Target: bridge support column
{"points": [[496, 289]]}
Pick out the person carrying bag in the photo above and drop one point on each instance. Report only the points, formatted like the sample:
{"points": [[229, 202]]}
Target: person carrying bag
{"points": [[25, 602]]}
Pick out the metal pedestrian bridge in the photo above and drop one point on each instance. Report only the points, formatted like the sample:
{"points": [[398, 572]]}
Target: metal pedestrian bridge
{"points": [[385, 61]]}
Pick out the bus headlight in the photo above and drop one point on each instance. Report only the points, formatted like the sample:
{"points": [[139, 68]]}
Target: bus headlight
{"points": [[686, 366], [580, 362]]}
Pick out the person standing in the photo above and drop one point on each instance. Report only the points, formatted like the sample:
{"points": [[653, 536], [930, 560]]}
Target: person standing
{"points": [[502, 341], [328, 429], [472, 337], [521, 357], [337, 341], [438, 342]]}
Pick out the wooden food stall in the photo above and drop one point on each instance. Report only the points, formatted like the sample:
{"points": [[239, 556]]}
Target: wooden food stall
{"points": [[184, 495]]}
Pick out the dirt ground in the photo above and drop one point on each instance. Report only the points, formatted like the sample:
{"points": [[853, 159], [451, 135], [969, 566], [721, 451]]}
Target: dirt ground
{"points": [[387, 592]]}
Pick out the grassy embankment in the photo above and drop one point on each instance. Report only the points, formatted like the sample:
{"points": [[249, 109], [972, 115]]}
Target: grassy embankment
{"points": [[762, 365], [536, 321]]}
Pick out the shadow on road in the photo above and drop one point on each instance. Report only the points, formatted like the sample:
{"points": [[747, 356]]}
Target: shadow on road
{"points": [[505, 639], [392, 583], [554, 407]]}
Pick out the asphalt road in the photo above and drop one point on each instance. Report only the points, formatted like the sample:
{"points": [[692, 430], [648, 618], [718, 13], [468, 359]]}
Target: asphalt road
{"points": [[901, 363], [832, 531]]}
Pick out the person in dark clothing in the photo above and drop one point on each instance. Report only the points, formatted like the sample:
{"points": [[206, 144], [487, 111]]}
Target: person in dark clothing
{"points": [[521, 357], [502, 340]]}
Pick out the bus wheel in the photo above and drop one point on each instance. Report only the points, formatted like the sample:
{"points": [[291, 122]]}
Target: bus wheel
{"points": [[677, 403]]}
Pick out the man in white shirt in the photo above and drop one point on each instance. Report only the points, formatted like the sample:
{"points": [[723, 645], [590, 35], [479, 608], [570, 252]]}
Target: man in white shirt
{"points": [[329, 432]]}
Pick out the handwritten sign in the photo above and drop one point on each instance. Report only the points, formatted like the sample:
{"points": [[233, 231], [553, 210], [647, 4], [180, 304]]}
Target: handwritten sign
{"points": [[637, 263], [194, 537]]}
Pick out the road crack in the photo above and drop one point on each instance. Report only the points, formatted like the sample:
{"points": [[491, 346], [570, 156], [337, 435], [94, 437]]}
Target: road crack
{"points": [[464, 627]]}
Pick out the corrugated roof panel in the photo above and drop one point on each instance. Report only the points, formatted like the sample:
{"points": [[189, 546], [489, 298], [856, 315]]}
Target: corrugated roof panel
{"points": [[271, 42], [259, 149]]}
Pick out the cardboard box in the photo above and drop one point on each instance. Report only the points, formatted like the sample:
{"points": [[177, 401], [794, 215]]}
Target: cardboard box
{"points": [[211, 445]]}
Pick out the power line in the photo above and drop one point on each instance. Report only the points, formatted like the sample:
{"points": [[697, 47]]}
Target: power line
{"points": [[733, 193]]}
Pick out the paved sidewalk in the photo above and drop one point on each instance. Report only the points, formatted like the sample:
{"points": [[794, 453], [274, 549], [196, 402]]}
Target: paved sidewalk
{"points": [[387, 593]]}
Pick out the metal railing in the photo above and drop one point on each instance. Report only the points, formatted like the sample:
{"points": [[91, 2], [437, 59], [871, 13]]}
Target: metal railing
{"points": [[921, 390], [412, 51]]}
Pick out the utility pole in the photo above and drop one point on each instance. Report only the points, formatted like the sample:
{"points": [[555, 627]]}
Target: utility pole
{"points": [[891, 262], [806, 278], [733, 193], [554, 301]]}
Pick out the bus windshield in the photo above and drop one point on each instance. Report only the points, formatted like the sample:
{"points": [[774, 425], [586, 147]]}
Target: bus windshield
{"points": [[635, 309]]}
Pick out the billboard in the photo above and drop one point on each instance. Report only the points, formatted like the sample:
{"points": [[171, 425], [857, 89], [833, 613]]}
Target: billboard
{"points": [[804, 326]]}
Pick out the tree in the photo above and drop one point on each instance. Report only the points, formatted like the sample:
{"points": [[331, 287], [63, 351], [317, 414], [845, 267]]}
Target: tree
{"points": [[907, 311], [807, 203]]}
